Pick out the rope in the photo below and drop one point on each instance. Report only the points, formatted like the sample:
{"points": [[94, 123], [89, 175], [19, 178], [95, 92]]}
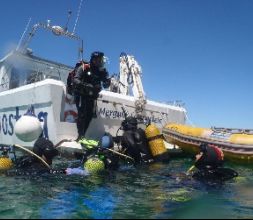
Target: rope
{"points": [[123, 155], [62, 141], [30, 152]]}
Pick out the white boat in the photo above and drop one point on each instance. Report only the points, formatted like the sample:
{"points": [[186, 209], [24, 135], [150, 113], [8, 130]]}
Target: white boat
{"points": [[26, 80]]}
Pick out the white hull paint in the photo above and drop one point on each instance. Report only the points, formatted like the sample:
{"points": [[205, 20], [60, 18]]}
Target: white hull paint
{"points": [[48, 99]]}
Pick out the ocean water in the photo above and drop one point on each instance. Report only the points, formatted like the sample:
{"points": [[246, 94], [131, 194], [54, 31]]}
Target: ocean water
{"points": [[152, 191]]}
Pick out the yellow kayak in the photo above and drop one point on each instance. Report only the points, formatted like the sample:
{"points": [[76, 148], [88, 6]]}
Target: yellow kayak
{"points": [[237, 144]]}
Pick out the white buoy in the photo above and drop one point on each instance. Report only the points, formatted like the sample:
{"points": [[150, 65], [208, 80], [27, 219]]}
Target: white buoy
{"points": [[28, 127]]}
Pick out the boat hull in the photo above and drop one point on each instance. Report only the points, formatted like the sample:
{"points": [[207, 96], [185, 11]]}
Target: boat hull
{"points": [[236, 147], [49, 100]]}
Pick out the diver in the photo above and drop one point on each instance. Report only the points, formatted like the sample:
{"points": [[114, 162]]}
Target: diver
{"points": [[87, 83], [134, 142], [97, 156], [209, 157], [209, 162], [39, 160]]}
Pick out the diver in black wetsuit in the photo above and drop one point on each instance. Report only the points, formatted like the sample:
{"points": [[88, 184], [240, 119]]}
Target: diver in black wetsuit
{"points": [[134, 141], [209, 163], [32, 165], [87, 84], [40, 160]]}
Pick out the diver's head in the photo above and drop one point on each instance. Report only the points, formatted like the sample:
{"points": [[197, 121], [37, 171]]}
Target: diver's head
{"points": [[45, 149], [130, 123], [98, 60]]}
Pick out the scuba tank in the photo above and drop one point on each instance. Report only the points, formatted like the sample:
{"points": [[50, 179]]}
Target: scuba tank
{"points": [[5, 160], [5, 163], [156, 143], [94, 165]]}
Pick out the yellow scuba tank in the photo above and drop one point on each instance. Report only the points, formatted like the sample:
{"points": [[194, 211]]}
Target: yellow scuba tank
{"points": [[155, 140], [5, 163]]}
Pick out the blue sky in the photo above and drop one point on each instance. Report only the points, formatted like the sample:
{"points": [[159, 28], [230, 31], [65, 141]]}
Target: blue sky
{"points": [[197, 51]]}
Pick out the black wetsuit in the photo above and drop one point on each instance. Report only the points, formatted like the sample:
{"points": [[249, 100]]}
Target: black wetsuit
{"points": [[30, 166], [136, 146], [87, 85]]}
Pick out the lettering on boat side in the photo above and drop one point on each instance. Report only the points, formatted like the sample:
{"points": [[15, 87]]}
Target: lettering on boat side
{"points": [[7, 121], [114, 114]]}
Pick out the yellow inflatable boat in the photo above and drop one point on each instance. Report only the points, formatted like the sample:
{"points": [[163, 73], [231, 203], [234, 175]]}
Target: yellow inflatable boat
{"points": [[237, 144]]}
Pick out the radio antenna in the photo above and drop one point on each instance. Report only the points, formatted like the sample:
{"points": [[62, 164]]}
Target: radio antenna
{"points": [[80, 51], [77, 17], [22, 37]]}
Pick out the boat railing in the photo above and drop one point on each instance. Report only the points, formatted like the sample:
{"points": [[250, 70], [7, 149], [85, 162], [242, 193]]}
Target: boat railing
{"points": [[232, 130]]}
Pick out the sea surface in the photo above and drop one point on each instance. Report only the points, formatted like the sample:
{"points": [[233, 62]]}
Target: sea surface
{"points": [[150, 191]]}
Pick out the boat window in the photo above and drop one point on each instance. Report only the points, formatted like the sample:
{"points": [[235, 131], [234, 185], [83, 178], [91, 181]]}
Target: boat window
{"points": [[52, 73], [34, 76], [22, 76], [14, 79], [53, 77]]}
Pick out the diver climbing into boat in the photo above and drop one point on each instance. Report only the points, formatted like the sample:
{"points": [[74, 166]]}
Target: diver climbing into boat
{"points": [[209, 162], [87, 83]]}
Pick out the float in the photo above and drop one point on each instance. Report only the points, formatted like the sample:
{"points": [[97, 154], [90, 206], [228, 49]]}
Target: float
{"points": [[237, 144]]}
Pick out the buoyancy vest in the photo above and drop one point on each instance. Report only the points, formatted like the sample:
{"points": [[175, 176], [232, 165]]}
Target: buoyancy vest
{"points": [[71, 76]]}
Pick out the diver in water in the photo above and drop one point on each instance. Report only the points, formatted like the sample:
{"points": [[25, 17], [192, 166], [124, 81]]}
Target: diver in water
{"points": [[209, 163], [97, 156], [134, 141], [38, 162], [209, 157]]}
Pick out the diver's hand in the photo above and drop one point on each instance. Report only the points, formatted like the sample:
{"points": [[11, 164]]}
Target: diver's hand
{"points": [[76, 171]]}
